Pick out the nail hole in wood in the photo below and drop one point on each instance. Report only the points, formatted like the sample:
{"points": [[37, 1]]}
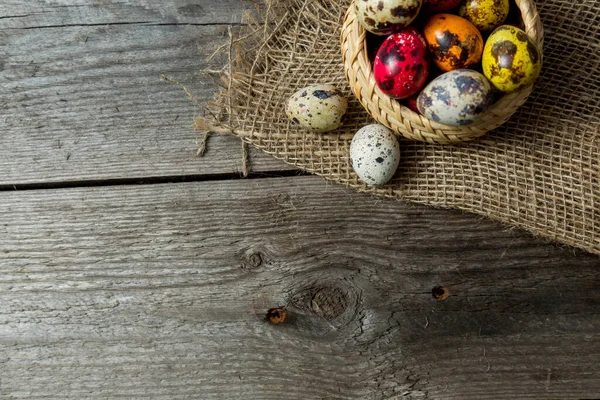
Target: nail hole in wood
{"points": [[440, 292], [277, 315]]}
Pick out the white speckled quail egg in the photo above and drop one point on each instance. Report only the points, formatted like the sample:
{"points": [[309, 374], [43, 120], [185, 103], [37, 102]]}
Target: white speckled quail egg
{"points": [[458, 97], [318, 108], [375, 154], [384, 17]]}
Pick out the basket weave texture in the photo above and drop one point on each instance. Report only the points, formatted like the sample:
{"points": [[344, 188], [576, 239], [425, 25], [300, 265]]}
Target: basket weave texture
{"points": [[406, 122], [540, 171]]}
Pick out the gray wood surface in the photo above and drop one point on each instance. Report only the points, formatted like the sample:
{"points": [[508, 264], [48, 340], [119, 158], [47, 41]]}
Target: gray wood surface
{"points": [[161, 290], [28, 14], [82, 97]]}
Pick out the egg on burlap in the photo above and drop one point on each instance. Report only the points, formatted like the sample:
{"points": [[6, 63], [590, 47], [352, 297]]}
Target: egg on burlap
{"points": [[375, 154], [318, 108]]}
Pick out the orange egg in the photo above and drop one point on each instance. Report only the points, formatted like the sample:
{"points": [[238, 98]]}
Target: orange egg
{"points": [[454, 42]]}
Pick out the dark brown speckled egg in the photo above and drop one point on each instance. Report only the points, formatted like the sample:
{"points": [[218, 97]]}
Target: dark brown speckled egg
{"points": [[454, 42]]}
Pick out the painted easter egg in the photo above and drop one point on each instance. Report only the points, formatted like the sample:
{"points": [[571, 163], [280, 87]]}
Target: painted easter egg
{"points": [[384, 17], [411, 102], [486, 15], [454, 42], [458, 97], [374, 154], [402, 64], [439, 6], [318, 108], [511, 60]]}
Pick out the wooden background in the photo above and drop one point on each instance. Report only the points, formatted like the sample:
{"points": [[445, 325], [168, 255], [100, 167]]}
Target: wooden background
{"points": [[130, 268]]}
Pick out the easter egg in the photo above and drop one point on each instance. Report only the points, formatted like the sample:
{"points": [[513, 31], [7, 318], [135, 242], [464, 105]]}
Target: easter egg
{"points": [[486, 15], [454, 42], [511, 60], [438, 6], [374, 154], [384, 17], [458, 97], [411, 102], [318, 108], [401, 65]]}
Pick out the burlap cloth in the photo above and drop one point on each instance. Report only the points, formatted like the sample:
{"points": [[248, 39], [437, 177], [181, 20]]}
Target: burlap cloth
{"points": [[540, 171]]}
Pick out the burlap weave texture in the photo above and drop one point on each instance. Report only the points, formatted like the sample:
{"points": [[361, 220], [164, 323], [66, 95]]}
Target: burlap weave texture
{"points": [[540, 171]]}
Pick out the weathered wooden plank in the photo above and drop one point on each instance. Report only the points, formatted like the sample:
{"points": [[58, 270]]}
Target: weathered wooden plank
{"points": [[83, 103], [27, 14], [161, 291]]}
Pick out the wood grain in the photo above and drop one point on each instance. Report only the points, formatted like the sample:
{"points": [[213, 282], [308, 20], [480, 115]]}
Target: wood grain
{"points": [[161, 291], [82, 98], [28, 14]]}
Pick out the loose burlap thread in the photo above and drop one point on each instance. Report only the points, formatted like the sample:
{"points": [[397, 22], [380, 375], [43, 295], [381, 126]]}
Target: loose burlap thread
{"points": [[538, 172]]}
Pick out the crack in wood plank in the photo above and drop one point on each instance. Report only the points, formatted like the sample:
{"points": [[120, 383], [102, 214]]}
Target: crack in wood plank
{"points": [[145, 23]]}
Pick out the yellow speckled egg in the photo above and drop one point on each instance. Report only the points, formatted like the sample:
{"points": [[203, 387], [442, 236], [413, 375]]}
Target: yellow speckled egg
{"points": [[486, 15], [511, 60]]}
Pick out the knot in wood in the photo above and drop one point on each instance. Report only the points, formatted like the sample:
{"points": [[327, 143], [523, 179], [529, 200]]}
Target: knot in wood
{"points": [[252, 260], [325, 303], [255, 260], [328, 302]]}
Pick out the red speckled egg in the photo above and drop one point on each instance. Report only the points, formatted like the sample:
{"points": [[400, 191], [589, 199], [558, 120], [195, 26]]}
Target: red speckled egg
{"points": [[402, 64], [411, 102], [437, 6]]}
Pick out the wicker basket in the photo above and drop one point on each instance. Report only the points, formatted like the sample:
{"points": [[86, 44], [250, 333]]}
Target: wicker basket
{"points": [[403, 120]]}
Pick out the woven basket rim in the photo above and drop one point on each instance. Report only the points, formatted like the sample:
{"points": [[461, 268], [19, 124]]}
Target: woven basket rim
{"points": [[407, 123]]}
